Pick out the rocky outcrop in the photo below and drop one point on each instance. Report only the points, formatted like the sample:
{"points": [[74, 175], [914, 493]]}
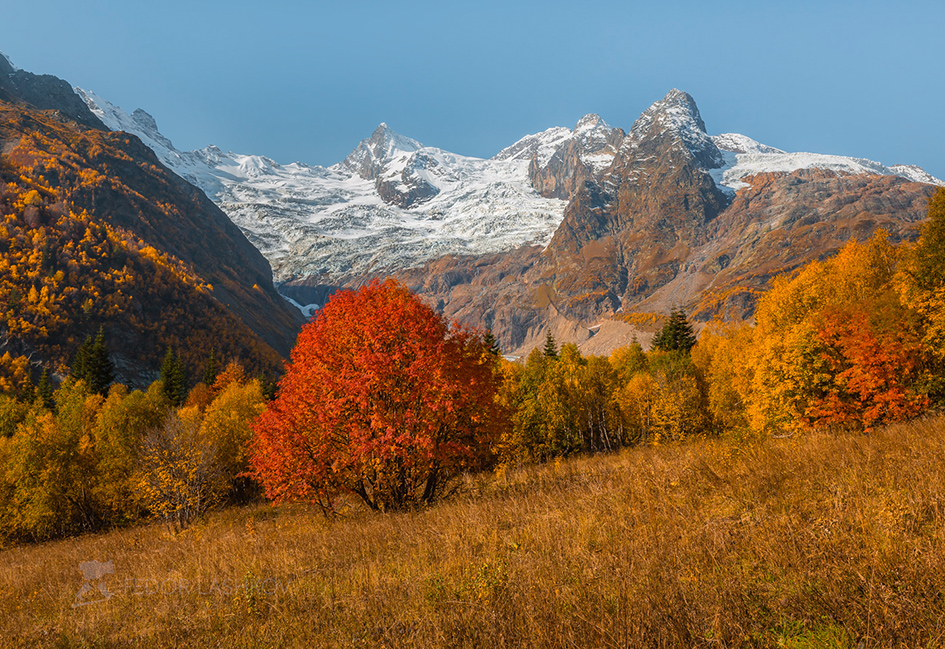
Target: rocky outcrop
{"points": [[581, 157], [408, 188], [44, 92], [628, 235], [397, 165]]}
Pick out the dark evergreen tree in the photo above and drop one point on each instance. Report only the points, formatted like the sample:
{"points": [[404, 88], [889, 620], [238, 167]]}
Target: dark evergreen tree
{"points": [[551, 347], [99, 369], [44, 391], [211, 370], [174, 378], [81, 361], [270, 387], [491, 343], [676, 334]]}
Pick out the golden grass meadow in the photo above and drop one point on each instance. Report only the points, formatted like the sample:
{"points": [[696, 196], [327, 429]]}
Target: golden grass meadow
{"points": [[820, 540]]}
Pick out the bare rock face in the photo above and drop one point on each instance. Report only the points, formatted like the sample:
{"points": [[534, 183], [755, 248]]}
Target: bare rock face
{"points": [[581, 157], [629, 234], [501, 291], [783, 221], [372, 156], [408, 188]]}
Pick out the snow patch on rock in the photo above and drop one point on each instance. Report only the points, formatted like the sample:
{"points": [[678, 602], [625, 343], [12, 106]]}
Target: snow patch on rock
{"points": [[9, 66]]}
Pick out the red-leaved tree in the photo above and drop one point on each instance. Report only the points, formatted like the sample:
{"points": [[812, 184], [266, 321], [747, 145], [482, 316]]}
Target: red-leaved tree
{"points": [[383, 399]]}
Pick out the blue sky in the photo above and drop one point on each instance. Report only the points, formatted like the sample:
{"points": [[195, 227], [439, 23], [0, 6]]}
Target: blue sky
{"points": [[307, 80]]}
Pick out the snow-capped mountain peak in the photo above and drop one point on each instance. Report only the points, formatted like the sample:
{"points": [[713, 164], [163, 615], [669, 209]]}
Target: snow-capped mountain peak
{"points": [[373, 155], [540, 145], [596, 144], [676, 116], [590, 122], [677, 111]]}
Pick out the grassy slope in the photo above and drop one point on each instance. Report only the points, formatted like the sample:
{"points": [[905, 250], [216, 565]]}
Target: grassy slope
{"points": [[815, 541]]}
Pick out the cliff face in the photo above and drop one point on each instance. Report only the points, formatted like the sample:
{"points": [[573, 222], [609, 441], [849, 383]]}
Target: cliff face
{"points": [[627, 235]]}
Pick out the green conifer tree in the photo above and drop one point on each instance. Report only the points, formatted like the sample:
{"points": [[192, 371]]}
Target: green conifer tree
{"points": [[211, 370], [551, 347], [491, 343], [676, 334], [99, 369], [173, 378], [44, 390], [80, 363]]}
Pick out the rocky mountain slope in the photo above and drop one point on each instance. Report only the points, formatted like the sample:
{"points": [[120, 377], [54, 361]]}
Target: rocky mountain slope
{"points": [[574, 229], [678, 217]]}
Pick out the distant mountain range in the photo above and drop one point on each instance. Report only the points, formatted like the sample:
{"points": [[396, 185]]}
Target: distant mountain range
{"points": [[394, 203], [579, 231]]}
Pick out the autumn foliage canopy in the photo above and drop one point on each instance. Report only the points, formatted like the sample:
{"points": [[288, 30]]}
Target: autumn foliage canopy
{"points": [[383, 399]]}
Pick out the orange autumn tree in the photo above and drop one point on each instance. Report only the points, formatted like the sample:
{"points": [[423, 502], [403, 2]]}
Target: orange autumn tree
{"points": [[383, 399], [873, 370]]}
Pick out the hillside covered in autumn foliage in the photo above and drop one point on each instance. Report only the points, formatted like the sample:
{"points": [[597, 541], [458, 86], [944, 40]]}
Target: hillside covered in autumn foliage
{"points": [[95, 232]]}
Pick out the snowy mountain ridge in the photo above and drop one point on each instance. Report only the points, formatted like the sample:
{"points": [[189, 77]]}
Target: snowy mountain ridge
{"points": [[394, 203], [676, 115], [313, 220], [743, 157]]}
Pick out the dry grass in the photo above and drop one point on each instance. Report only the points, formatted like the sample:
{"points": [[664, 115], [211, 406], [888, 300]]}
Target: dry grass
{"points": [[820, 541]]}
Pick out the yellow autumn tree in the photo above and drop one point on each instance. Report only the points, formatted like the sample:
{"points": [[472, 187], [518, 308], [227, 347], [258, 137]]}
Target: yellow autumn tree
{"points": [[49, 469], [225, 426], [179, 476], [720, 355], [121, 424], [921, 286], [635, 400], [793, 363]]}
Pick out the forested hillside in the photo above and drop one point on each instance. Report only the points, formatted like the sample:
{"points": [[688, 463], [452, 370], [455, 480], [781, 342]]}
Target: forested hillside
{"points": [[97, 233]]}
